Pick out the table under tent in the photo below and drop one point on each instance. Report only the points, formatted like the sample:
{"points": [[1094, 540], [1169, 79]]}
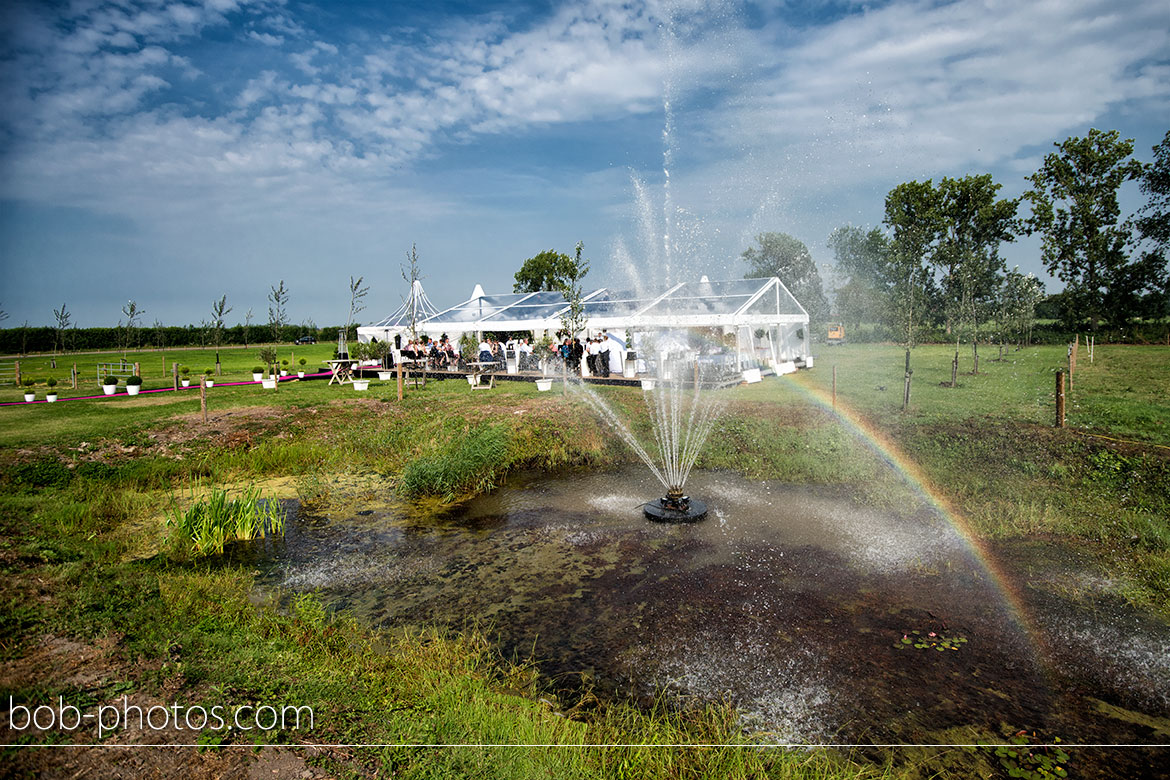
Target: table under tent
{"points": [[758, 322]]}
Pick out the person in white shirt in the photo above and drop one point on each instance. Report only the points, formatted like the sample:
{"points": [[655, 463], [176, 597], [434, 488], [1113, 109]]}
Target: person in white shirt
{"points": [[485, 351]]}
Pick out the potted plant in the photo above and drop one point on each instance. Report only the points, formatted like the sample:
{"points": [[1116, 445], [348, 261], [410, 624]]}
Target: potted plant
{"points": [[269, 383], [284, 368], [208, 373], [133, 385], [185, 376], [302, 363], [543, 385], [361, 384], [51, 396], [257, 373], [28, 383], [110, 385]]}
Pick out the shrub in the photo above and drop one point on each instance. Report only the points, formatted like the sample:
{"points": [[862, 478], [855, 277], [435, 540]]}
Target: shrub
{"points": [[110, 380], [28, 381], [303, 362], [185, 370], [134, 380], [464, 464], [257, 369], [52, 382]]}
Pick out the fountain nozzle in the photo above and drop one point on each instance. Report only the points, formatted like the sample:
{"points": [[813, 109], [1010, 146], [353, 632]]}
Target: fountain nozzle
{"points": [[675, 507]]}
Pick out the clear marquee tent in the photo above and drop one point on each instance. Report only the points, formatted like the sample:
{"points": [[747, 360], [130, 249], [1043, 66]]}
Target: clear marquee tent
{"points": [[769, 324]]}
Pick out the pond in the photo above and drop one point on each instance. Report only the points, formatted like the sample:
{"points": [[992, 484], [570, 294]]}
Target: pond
{"points": [[822, 620]]}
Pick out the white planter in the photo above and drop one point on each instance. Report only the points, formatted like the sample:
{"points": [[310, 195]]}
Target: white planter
{"points": [[385, 375], [51, 397], [301, 374], [256, 377], [210, 383], [543, 384], [109, 389], [283, 372], [28, 397], [185, 382], [361, 384], [647, 384], [269, 384], [752, 375], [133, 389]]}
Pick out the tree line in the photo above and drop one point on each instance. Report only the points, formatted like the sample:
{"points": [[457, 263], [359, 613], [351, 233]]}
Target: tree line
{"points": [[935, 266]]}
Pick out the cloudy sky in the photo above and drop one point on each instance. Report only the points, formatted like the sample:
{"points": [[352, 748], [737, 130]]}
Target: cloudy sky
{"points": [[174, 152]]}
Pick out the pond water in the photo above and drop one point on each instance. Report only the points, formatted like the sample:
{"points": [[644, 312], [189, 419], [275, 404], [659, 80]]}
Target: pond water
{"points": [[796, 604]]}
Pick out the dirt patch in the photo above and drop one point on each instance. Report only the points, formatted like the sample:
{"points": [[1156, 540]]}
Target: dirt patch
{"points": [[55, 664]]}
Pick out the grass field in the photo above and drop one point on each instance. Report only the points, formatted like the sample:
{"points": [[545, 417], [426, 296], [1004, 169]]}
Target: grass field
{"points": [[85, 488]]}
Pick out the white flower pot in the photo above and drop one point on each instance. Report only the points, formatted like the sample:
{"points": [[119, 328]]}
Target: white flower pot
{"points": [[269, 384], [210, 383], [51, 397], [28, 397], [301, 374], [185, 382], [109, 389], [133, 389], [361, 384], [385, 375], [647, 384], [751, 376], [257, 376], [543, 384], [283, 372]]}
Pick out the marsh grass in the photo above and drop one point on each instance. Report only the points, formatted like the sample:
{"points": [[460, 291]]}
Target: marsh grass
{"points": [[469, 462], [208, 523]]}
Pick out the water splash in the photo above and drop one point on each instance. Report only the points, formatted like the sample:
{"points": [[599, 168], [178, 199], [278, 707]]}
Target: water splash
{"points": [[682, 415]]}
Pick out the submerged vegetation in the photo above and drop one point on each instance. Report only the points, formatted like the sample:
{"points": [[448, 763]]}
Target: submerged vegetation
{"points": [[88, 519]]}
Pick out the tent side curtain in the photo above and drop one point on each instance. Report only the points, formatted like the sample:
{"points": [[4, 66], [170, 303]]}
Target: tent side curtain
{"points": [[734, 302]]}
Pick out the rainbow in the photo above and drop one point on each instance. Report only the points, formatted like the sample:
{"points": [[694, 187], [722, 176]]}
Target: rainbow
{"points": [[889, 452]]}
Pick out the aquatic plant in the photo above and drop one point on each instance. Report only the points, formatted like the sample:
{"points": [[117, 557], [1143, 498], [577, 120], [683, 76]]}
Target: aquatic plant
{"points": [[930, 641], [206, 525]]}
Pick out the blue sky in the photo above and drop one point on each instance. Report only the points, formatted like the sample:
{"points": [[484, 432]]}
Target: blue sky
{"points": [[174, 152]]}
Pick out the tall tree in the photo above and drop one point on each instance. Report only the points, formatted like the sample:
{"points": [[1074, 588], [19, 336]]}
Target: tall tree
{"points": [[971, 225], [356, 294], [1075, 208], [219, 312], [130, 330], [862, 257], [64, 320], [277, 309], [549, 270], [787, 258], [1153, 226], [912, 215], [573, 318]]}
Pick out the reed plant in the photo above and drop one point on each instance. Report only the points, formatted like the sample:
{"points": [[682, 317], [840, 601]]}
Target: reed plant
{"points": [[206, 525]]}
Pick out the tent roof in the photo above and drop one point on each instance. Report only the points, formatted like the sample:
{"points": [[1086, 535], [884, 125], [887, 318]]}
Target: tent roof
{"points": [[737, 302], [417, 303]]}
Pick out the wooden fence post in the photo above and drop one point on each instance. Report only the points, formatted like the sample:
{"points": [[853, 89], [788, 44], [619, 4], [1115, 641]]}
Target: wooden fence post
{"points": [[203, 396], [16, 364], [174, 373], [137, 370], [955, 371], [1059, 399], [906, 392], [74, 376]]}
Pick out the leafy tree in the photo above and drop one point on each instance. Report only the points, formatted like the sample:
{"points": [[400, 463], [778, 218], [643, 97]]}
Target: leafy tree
{"points": [[1154, 223], [247, 327], [573, 318], [129, 331], [1075, 209], [277, 309], [912, 215], [1019, 295], [863, 257], [549, 270], [219, 311], [64, 320], [787, 258], [971, 225], [356, 294]]}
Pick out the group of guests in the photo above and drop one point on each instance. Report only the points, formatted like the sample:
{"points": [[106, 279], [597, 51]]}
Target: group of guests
{"points": [[439, 354], [602, 354], [493, 351]]}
